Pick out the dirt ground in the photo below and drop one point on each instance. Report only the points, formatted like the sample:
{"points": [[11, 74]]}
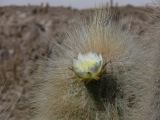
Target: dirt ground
{"points": [[28, 33]]}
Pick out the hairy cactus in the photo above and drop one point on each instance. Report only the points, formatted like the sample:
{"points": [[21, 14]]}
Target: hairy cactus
{"points": [[100, 72]]}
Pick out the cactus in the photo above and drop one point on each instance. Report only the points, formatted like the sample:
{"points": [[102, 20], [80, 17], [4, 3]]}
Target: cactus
{"points": [[100, 72]]}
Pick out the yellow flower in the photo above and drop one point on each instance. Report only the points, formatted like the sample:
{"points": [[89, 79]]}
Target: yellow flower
{"points": [[88, 66]]}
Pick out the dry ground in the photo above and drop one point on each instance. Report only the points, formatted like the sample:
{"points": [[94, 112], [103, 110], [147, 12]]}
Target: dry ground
{"points": [[27, 34]]}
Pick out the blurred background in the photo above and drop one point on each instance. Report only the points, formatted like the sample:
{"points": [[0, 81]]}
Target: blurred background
{"points": [[74, 3], [28, 30]]}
